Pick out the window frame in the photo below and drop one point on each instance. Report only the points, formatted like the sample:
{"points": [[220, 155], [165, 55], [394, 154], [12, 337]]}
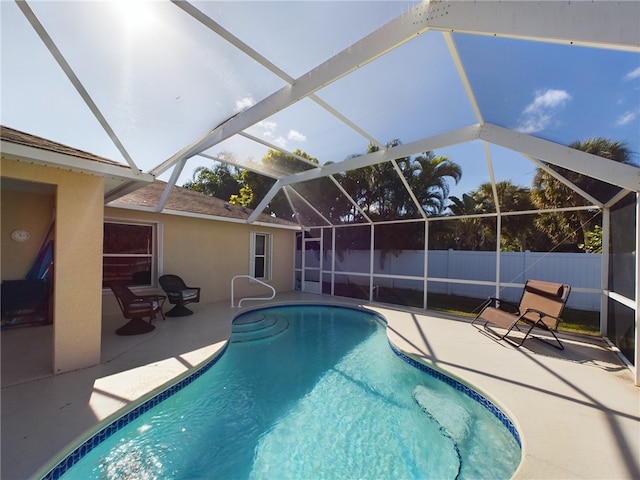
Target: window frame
{"points": [[267, 255], [154, 256]]}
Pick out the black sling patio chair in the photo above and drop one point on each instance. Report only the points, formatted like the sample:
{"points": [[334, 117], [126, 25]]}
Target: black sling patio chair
{"points": [[179, 294], [540, 307]]}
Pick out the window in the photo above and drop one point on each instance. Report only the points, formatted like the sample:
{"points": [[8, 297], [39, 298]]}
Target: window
{"points": [[260, 255], [129, 253]]}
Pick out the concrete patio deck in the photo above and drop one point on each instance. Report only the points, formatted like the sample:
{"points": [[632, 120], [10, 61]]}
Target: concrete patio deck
{"points": [[577, 410]]}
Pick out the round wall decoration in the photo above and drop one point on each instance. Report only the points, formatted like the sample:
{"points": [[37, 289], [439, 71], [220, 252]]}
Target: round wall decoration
{"points": [[20, 235]]}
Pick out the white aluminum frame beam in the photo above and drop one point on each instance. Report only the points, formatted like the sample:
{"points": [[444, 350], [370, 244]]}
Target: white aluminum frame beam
{"points": [[462, 135], [236, 164], [307, 162], [75, 81], [261, 141], [616, 173], [595, 24], [564, 181], [408, 189], [620, 174], [599, 24], [307, 203], [386, 38], [239, 44]]}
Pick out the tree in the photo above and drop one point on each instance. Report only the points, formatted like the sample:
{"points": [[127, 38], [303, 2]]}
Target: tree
{"points": [[380, 191], [549, 192], [594, 241], [468, 233], [518, 232], [254, 186], [428, 176], [221, 181]]}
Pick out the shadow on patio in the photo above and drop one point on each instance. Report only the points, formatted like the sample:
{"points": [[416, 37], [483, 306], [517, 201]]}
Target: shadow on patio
{"points": [[577, 410]]}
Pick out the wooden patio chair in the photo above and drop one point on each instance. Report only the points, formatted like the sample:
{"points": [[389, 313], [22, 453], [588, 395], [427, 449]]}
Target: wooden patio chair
{"points": [[540, 307], [179, 294], [135, 308]]}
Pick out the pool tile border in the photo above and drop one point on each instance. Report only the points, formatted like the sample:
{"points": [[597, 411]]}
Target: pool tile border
{"points": [[101, 435], [461, 387]]}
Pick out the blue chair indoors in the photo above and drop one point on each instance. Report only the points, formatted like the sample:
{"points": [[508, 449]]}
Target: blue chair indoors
{"points": [[179, 294]]}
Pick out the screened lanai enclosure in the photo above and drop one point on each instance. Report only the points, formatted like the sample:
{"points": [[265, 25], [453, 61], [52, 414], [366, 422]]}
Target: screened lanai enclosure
{"points": [[428, 150]]}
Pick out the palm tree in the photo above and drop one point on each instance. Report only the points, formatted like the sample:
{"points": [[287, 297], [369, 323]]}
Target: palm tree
{"points": [[548, 192], [517, 231], [469, 233], [428, 176], [380, 192]]}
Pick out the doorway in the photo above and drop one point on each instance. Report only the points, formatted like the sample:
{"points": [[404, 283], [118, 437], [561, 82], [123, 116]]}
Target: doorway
{"points": [[312, 265]]}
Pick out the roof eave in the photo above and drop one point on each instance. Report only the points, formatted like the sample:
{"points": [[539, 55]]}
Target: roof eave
{"points": [[119, 176], [205, 216]]}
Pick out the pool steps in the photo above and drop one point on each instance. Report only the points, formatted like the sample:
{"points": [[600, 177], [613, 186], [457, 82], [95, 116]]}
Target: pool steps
{"points": [[257, 326]]}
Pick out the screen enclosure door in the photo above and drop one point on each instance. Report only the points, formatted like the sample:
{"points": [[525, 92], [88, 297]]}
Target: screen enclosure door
{"points": [[312, 265]]}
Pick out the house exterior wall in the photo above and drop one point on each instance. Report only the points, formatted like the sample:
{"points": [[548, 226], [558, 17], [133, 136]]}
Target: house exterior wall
{"points": [[32, 212], [79, 207], [208, 254]]}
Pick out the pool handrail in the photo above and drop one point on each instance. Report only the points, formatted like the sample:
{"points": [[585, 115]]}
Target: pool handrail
{"points": [[251, 298]]}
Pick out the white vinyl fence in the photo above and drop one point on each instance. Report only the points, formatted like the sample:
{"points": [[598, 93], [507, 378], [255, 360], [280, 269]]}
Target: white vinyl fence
{"points": [[580, 270]]}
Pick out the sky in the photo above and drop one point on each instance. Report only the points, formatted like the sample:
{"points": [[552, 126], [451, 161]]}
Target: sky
{"points": [[162, 81]]}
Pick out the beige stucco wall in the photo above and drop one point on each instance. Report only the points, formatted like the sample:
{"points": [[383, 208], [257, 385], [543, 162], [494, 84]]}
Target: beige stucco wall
{"points": [[77, 307], [208, 254], [32, 212]]}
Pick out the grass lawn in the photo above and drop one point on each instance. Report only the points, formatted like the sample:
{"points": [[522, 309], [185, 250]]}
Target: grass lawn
{"points": [[576, 321]]}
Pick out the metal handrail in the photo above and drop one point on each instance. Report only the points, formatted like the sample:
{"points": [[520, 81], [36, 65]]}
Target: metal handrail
{"points": [[251, 298]]}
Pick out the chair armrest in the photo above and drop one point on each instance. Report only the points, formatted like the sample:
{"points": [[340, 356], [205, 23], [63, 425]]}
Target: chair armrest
{"points": [[541, 315]]}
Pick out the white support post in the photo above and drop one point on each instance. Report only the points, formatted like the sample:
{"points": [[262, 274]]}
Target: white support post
{"points": [[333, 261], [637, 294], [426, 264], [604, 271], [498, 253], [321, 254], [372, 260]]}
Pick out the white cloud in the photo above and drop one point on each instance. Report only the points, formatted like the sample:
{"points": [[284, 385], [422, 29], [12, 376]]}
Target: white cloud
{"points": [[549, 99], [632, 74], [268, 129], [280, 142], [626, 117], [296, 136], [244, 103], [538, 114]]}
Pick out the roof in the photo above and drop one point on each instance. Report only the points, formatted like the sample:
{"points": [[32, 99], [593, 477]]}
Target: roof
{"points": [[8, 134], [183, 200], [21, 146]]}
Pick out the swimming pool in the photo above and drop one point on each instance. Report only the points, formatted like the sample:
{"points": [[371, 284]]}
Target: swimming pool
{"points": [[306, 392]]}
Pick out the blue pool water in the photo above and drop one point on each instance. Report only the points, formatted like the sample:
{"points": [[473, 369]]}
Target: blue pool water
{"points": [[308, 392]]}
